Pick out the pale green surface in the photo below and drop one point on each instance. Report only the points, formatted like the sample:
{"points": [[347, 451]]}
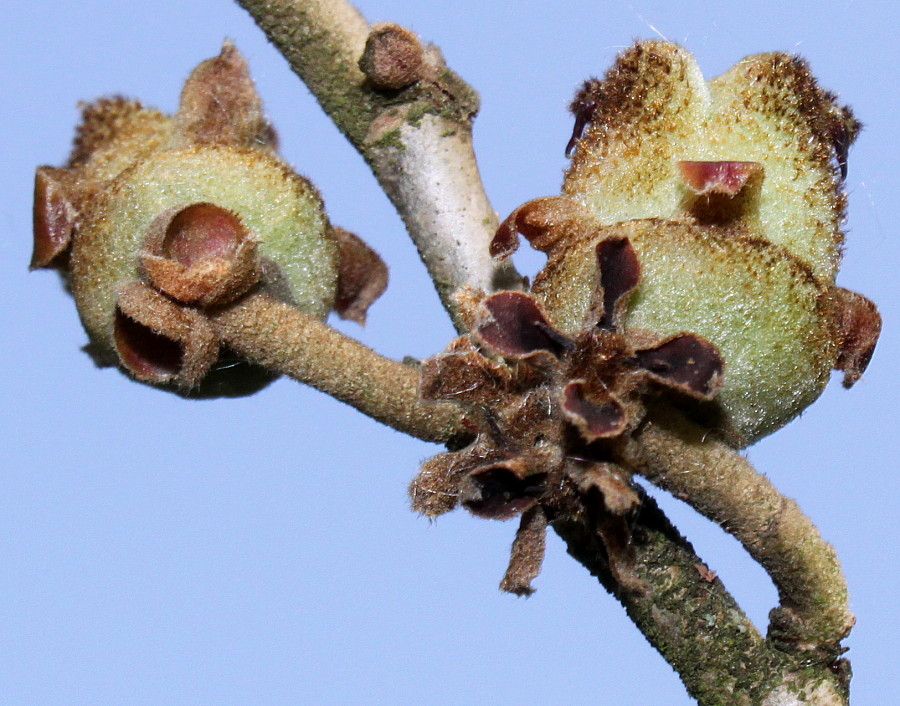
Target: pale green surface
{"points": [[632, 171], [766, 316], [761, 312], [276, 206]]}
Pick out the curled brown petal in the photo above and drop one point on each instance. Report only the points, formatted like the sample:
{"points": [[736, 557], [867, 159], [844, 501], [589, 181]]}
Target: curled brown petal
{"points": [[619, 495], [362, 276], [502, 490], [610, 501], [201, 254], [435, 490], [686, 362], [859, 324], [844, 129], [543, 222], [527, 553], [596, 414], [513, 325], [582, 107], [54, 216], [506, 240], [724, 177], [159, 341], [620, 274]]}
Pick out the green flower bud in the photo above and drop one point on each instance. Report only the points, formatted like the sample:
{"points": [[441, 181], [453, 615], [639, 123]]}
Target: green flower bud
{"points": [[157, 218], [730, 193]]}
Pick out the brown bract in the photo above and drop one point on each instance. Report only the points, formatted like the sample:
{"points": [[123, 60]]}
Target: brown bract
{"points": [[860, 326], [546, 406], [54, 216], [159, 341], [362, 276]]}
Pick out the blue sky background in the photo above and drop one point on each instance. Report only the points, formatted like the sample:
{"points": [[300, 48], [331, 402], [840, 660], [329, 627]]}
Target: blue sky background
{"points": [[260, 551]]}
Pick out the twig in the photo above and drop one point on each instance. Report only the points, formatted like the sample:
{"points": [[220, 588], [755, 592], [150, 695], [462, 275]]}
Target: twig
{"points": [[690, 618], [417, 141], [286, 340]]}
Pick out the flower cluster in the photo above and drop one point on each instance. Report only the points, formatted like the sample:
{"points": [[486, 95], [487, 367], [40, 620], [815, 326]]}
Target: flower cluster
{"points": [[545, 406]]}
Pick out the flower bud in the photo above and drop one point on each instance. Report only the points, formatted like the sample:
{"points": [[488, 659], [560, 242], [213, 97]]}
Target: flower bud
{"points": [[393, 57], [157, 217], [297, 257], [730, 193]]}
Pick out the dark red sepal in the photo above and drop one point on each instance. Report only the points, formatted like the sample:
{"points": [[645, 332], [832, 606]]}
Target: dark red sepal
{"points": [[686, 362], [597, 415], [620, 274], [513, 325], [502, 490]]}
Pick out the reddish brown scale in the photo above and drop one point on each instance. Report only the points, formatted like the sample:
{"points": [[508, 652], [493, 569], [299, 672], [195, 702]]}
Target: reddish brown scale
{"points": [[844, 130], [718, 177], [517, 327], [859, 324], [54, 218], [500, 492], [685, 361], [582, 107], [362, 276], [620, 273], [203, 231], [147, 354], [597, 414]]}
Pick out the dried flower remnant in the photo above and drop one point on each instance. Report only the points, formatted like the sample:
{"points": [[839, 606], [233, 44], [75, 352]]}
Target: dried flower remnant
{"points": [[158, 218], [730, 192], [547, 406]]}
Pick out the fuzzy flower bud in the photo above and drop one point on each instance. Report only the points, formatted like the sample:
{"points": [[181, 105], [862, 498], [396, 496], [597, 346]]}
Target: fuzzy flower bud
{"points": [[158, 217], [730, 192]]}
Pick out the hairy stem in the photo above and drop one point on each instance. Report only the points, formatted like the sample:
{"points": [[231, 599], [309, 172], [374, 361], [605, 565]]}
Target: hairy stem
{"points": [[295, 344], [413, 139], [813, 615]]}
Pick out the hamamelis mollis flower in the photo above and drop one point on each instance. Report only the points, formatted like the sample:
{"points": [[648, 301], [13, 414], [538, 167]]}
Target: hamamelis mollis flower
{"points": [[545, 404], [158, 218]]}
